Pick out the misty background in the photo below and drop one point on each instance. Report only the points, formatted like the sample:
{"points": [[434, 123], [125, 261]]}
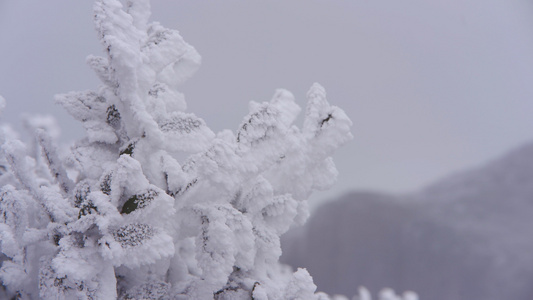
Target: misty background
{"points": [[433, 87]]}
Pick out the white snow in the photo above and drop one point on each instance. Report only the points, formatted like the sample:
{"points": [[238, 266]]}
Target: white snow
{"points": [[161, 206]]}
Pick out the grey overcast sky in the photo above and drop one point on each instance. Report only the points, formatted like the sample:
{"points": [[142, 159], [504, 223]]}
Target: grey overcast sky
{"points": [[432, 86]]}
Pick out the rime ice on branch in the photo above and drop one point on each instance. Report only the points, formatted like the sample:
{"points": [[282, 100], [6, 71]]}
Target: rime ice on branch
{"points": [[123, 216]]}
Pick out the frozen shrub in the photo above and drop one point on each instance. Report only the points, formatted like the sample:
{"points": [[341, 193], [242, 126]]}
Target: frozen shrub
{"points": [[123, 217]]}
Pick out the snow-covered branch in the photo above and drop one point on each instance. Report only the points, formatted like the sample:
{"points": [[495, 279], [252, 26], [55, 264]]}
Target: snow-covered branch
{"points": [[125, 215]]}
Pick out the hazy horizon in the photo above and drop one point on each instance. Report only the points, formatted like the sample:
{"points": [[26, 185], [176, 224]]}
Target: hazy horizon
{"points": [[432, 87]]}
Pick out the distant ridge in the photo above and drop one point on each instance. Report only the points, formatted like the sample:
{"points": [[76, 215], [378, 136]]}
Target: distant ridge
{"points": [[468, 236]]}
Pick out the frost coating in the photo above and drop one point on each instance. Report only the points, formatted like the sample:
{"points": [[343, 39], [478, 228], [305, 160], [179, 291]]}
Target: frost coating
{"points": [[152, 204]]}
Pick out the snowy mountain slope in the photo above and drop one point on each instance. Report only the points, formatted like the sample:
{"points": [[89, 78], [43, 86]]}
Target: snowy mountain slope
{"points": [[465, 237]]}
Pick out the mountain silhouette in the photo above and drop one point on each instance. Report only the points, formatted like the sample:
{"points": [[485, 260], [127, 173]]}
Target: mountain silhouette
{"points": [[468, 236]]}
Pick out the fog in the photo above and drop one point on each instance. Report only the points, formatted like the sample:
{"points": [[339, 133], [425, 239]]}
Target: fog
{"points": [[431, 86], [464, 237]]}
